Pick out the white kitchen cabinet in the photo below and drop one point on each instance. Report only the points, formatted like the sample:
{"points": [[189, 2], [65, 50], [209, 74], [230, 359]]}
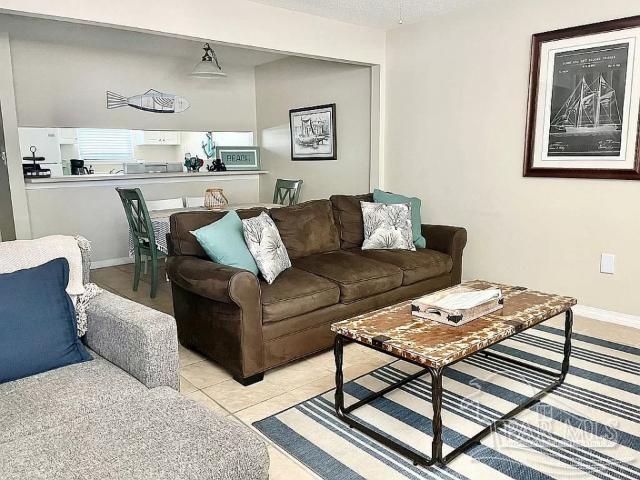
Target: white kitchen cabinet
{"points": [[157, 137], [67, 136], [44, 139]]}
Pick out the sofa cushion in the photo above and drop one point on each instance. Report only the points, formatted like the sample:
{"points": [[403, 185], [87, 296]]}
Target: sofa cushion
{"points": [[38, 330], [347, 214], [183, 223], [295, 292], [157, 434], [380, 196], [265, 244], [418, 265], [37, 403], [223, 240], [307, 228], [358, 277], [387, 227]]}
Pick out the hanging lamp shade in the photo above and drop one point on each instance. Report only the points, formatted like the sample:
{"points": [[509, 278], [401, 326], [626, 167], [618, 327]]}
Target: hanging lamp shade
{"points": [[208, 67]]}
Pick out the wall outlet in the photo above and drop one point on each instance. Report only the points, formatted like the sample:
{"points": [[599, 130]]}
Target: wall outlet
{"points": [[608, 263]]}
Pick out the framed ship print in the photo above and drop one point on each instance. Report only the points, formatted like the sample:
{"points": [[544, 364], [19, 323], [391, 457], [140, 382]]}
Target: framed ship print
{"points": [[313, 133], [584, 102]]}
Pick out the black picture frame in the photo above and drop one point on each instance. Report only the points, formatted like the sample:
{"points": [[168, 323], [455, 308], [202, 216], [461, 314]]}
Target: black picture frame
{"points": [[317, 139]]}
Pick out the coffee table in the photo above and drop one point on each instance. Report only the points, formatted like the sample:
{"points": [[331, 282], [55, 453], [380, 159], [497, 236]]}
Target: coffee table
{"points": [[434, 346]]}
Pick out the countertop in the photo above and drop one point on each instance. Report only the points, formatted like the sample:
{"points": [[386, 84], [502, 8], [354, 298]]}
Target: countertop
{"points": [[97, 177]]}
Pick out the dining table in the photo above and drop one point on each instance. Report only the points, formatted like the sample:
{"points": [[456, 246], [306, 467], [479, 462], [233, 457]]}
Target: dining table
{"points": [[160, 221]]}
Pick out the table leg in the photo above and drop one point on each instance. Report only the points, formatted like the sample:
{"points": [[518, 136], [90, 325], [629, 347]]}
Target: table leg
{"points": [[568, 328], [343, 413], [436, 400], [338, 356]]}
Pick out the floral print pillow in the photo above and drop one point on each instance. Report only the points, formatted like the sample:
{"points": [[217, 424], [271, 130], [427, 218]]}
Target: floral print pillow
{"points": [[264, 243], [387, 227]]}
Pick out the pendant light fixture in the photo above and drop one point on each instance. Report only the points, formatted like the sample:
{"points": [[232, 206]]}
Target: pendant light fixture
{"points": [[208, 67]]}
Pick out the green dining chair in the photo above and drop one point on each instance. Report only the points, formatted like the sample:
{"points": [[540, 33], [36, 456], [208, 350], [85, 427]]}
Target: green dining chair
{"points": [[144, 239], [287, 192]]}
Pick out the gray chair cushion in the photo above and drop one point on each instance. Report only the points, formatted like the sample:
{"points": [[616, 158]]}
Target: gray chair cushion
{"points": [[56, 397], [157, 435]]}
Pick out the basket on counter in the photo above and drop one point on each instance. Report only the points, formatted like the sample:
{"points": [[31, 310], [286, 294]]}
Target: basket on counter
{"points": [[214, 199]]}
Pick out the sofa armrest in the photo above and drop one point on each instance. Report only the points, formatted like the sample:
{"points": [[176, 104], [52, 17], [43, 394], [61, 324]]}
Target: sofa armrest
{"points": [[218, 312], [449, 240], [140, 340], [210, 280]]}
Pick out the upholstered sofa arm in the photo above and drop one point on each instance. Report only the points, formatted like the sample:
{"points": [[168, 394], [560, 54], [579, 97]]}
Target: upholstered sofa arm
{"points": [[136, 338], [218, 312], [449, 240], [211, 280]]}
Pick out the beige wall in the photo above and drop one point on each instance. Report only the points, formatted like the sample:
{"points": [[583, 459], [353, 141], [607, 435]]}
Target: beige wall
{"points": [[93, 208], [298, 82], [10, 128], [456, 105], [81, 62]]}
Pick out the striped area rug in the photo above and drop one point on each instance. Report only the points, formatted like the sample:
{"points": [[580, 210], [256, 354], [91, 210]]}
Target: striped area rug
{"points": [[587, 428]]}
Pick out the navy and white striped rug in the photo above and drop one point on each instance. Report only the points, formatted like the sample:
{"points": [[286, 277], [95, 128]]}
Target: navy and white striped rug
{"points": [[587, 428]]}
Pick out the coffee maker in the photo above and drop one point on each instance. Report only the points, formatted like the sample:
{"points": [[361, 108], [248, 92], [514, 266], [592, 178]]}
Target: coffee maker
{"points": [[78, 168]]}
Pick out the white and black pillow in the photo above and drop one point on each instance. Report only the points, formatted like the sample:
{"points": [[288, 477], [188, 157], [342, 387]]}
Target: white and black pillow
{"points": [[387, 227], [264, 243]]}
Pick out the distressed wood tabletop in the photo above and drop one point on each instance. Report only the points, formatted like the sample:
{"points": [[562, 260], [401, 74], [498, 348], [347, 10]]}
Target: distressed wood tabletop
{"points": [[433, 344]]}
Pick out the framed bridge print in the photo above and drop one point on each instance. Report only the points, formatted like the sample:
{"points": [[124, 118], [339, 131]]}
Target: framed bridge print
{"points": [[584, 102], [313, 133]]}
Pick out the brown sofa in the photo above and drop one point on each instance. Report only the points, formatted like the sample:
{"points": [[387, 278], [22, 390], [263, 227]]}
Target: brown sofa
{"points": [[248, 326]]}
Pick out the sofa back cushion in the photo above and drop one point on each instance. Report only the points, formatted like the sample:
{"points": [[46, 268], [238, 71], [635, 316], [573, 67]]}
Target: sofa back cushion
{"points": [[183, 223], [307, 228], [348, 217]]}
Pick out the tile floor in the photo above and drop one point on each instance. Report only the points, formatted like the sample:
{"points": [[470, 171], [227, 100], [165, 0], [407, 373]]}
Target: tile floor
{"points": [[210, 385]]}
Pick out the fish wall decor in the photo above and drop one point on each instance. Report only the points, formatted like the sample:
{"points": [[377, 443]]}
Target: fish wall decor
{"points": [[149, 101]]}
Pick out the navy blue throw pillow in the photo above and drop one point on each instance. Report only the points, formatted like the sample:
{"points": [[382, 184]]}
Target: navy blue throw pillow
{"points": [[37, 322]]}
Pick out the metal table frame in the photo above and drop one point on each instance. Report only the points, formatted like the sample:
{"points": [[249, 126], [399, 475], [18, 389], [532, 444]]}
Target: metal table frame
{"points": [[436, 398]]}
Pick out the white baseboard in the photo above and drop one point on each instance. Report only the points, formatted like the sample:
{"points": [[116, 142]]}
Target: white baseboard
{"points": [[607, 316], [111, 262]]}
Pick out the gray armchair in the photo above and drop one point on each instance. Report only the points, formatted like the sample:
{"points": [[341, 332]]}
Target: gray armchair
{"points": [[141, 341], [120, 415]]}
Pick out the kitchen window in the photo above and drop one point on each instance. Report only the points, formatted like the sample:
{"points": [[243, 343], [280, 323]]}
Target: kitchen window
{"points": [[233, 139], [105, 144]]}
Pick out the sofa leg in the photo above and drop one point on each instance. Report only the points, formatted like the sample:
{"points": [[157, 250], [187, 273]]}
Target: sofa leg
{"points": [[258, 377]]}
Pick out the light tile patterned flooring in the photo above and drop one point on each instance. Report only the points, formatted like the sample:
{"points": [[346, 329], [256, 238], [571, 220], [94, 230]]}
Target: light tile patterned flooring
{"points": [[210, 385]]}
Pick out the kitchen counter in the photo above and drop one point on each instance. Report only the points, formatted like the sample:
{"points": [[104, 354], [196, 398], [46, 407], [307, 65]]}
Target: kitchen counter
{"points": [[89, 205], [102, 177], [132, 180]]}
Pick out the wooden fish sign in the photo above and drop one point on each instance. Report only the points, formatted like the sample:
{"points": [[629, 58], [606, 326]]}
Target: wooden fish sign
{"points": [[150, 101]]}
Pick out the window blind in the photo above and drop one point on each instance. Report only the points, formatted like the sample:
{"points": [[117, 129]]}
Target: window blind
{"points": [[105, 144]]}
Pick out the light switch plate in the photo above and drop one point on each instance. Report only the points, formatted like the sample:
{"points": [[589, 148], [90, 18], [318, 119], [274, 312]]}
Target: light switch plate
{"points": [[608, 263]]}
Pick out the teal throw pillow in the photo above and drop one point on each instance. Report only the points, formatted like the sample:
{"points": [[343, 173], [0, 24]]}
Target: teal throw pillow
{"points": [[223, 241], [380, 196]]}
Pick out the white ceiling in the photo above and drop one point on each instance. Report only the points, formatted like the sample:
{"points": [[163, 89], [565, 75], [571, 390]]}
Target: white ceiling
{"points": [[373, 13]]}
